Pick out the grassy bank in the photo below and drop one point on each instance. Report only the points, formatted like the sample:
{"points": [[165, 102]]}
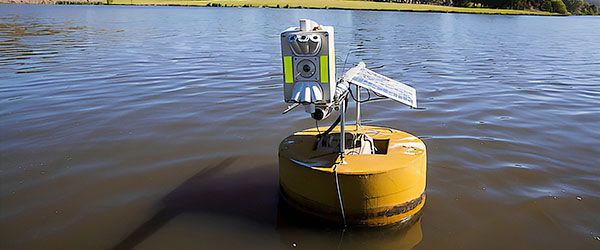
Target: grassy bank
{"points": [[332, 4]]}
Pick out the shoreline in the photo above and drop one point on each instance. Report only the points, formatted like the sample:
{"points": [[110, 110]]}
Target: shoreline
{"points": [[306, 4]]}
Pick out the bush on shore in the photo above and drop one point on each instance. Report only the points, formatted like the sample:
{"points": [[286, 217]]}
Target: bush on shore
{"points": [[565, 7]]}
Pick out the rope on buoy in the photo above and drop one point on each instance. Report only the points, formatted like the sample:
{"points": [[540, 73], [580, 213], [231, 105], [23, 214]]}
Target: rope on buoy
{"points": [[337, 187], [341, 238]]}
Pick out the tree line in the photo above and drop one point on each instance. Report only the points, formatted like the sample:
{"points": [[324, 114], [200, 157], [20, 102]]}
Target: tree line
{"points": [[565, 7]]}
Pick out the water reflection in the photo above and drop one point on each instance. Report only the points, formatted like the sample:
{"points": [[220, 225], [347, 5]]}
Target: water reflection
{"points": [[249, 194], [253, 196], [307, 232], [32, 44]]}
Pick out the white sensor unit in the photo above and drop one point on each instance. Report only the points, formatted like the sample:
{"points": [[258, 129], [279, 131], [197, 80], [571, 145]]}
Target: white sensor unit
{"points": [[308, 64]]}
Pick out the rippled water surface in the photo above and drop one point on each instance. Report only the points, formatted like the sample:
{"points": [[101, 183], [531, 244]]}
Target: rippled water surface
{"points": [[158, 127]]}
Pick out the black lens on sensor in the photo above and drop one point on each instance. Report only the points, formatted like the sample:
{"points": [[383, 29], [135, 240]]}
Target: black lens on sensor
{"points": [[306, 68]]}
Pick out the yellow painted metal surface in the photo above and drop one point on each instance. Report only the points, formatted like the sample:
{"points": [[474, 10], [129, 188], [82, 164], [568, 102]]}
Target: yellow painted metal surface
{"points": [[288, 69], [324, 68], [376, 189]]}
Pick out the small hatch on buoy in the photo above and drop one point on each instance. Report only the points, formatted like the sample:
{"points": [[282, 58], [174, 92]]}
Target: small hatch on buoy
{"points": [[357, 175]]}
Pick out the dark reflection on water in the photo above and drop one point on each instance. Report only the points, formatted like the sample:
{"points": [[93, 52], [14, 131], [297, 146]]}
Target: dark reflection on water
{"points": [[112, 120], [253, 195]]}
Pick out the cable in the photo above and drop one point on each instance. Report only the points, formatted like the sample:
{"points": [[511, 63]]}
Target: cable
{"points": [[346, 60], [335, 123], [341, 239], [337, 187], [326, 132], [317, 125], [379, 97], [356, 99], [378, 94], [368, 98]]}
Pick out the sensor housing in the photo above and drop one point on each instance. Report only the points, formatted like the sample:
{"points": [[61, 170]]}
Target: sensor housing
{"points": [[308, 64]]}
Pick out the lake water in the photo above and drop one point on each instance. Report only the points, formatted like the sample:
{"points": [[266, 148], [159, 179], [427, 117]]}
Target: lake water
{"points": [[158, 127]]}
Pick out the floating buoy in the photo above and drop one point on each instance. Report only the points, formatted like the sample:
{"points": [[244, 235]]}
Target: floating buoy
{"points": [[381, 188], [370, 176]]}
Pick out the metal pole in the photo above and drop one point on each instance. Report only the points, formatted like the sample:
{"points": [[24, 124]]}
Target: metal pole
{"points": [[342, 131], [357, 107]]}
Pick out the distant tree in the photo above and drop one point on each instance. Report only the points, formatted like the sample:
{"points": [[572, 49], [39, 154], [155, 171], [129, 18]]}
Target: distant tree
{"points": [[546, 6], [581, 7], [565, 7], [574, 6], [556, 6], [460, 3], [559, 7], [591, 10]]}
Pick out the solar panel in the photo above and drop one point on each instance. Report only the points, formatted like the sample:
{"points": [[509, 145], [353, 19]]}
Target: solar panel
{"points": [[382, 85]]}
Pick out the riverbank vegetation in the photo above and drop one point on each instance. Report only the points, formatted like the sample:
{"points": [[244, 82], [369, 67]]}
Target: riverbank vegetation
{"points": [[81, 2], [506, 7], [416, 6], [564, 7]]}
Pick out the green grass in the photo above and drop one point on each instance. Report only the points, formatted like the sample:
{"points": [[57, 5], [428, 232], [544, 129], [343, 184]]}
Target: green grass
{"points": [[333, 4]]}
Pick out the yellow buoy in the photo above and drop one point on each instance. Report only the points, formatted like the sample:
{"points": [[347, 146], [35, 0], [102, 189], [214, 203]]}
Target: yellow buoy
{"points": [[370, 189]]}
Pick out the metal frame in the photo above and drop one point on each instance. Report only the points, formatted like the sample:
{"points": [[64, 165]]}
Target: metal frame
{"points": [[343, 123]]}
